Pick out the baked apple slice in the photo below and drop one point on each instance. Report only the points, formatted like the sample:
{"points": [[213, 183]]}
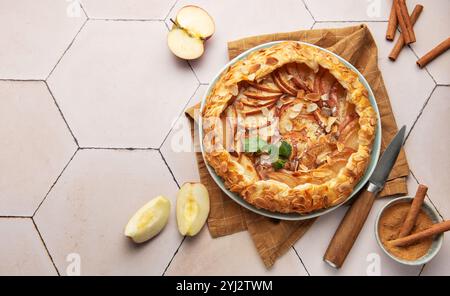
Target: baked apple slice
{"points": [[192, 208], [255, 93], [267, 84], [282, 83]]}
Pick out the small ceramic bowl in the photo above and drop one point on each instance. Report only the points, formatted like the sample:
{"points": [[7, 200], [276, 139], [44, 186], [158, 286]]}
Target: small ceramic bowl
{"points": [[437, 242]]}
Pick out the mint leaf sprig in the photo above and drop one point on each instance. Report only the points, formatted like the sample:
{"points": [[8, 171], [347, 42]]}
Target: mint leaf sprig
{"points": [[279, 154]]}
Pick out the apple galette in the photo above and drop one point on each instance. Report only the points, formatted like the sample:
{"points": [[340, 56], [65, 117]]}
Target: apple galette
{"points": [[289, 128]]}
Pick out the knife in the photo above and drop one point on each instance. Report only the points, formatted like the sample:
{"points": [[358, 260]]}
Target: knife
{"points": [[347, 232]]}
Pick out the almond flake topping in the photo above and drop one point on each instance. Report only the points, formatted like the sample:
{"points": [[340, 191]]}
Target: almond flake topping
{"points": [[311, 107]]}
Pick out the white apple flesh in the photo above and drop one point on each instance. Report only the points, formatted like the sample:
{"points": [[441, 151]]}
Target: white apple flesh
{"points": [[183, 45], [196, 21], [192, 208], [149, 220]]}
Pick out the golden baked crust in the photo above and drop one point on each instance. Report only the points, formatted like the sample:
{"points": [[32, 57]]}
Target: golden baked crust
{"points": [[301, 191]]}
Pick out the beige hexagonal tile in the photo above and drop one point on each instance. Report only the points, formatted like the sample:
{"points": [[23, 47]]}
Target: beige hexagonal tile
{"points": [[36, 146], [119, 85], [406, 84], [431, 29], [230, 255], [22, 251], [35, 34], [87, 210], [427, 149], [178, 148], [348, 10], [128, 9], [365, 258], [236, 19]]}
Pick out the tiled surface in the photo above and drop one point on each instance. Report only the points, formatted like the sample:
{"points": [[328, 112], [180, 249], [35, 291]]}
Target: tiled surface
{"points": [[35, 146], [230, 255], [348, 10], [427, 149], [236, 19], [128, 9], [34, 35], [22, 251], [178, 148], [109, 90], [121, 93], [88, 208], [434, 15]]}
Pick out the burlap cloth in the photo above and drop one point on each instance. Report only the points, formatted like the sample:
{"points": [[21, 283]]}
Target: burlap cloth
{"points": [[271, 237]]}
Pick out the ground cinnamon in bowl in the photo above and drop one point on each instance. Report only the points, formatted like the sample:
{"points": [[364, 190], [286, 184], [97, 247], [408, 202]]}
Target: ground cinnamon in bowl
{"points": [[389, 227]]}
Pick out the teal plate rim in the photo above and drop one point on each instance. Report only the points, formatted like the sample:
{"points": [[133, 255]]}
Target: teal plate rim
{"points": [[294, 216]]}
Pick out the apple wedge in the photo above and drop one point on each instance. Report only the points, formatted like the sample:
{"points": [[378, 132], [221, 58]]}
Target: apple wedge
{"points": [[266, 84], [184, 45], [261, 95], [282, 84], [192, 208], [196, 21], [149, 220]]}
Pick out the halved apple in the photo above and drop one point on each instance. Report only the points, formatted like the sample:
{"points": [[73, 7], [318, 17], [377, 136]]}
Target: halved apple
{"points": [[196, 21], [191, 27], [184, 45], [149, 220], [192, 208]]}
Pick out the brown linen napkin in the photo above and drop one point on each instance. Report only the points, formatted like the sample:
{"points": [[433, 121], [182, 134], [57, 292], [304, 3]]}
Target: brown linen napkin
{"points": [[272, 237]]}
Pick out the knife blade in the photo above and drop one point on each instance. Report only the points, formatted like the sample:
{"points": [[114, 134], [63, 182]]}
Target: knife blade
{"points": [[353, 221], [387, 161]]}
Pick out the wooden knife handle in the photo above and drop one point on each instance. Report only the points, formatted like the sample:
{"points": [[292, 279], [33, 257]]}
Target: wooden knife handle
{"points": [[347, 232]]}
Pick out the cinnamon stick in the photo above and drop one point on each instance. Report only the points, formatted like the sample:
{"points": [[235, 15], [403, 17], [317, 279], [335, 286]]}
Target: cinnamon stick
{"points": [[413, 238], [404, 21], [392, 24], [414, 211], [401, 42], [434, 53]]}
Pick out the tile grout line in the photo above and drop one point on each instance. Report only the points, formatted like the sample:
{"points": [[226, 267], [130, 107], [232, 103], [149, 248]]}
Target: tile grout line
{"points": [[62, 115], [421, 270], [170, 10], [45, 246], [14, 217], [124, 20], [168, 167], [425, 68], [120, 148], [417, 181], [178, 117], [420, 114], [301, 261], [348, 21], [309, 11], [173, 256], [21, 80], [84, 10], [54, 183], [67, 49]]}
